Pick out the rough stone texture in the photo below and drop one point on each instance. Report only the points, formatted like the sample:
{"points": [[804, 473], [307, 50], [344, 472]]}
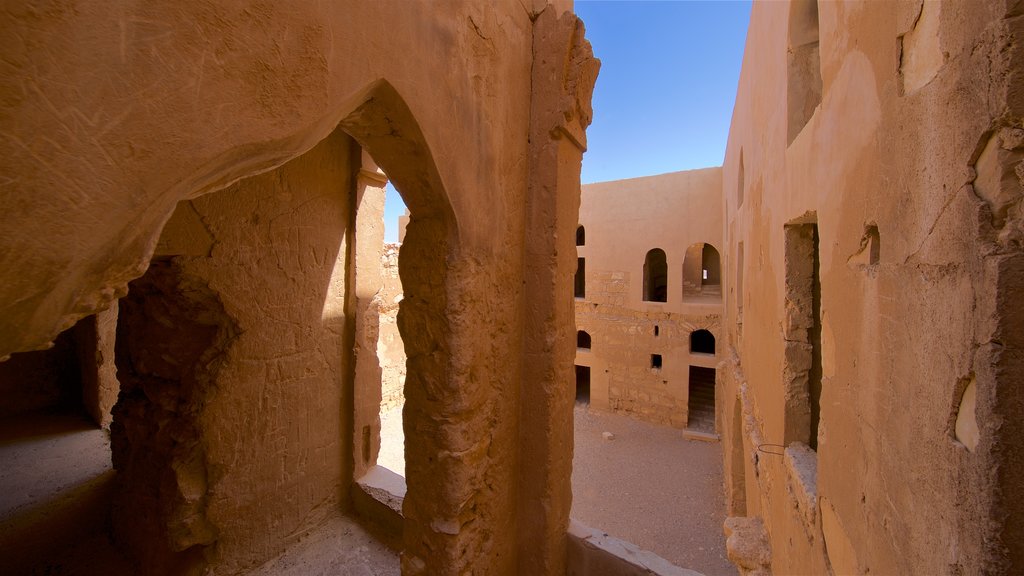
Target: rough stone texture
{"points": [[228, 373], [564, 70], [915, 141], [623, 220], [171, 340], [390, 349], [96, 336], [116, 115], [747, 545]]}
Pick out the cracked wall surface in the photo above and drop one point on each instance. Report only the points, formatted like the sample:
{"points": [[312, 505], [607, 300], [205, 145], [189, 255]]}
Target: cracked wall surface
{"points": [[910, 168]]}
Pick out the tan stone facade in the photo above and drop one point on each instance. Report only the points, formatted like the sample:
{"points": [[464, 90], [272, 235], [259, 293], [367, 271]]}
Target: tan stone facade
{"points": [[214, 167], [871, 412], [390, 349], [217, 170], [639, 358]]}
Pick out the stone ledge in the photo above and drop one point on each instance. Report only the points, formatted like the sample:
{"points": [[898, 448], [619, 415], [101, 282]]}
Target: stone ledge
{"points": [[594, 552], [377, 498], [384, 486], [802, 482]]}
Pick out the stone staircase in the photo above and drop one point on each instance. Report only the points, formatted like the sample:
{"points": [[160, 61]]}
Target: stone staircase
{"points": [[702, 400]]}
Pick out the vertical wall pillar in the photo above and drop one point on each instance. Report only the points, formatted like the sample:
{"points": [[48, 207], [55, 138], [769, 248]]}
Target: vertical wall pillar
{"points": [[96, 336], [367, 247], [564, 72]]}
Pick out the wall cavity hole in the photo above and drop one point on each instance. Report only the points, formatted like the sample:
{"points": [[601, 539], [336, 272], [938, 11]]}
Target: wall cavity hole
{"points": [[966, 427]]}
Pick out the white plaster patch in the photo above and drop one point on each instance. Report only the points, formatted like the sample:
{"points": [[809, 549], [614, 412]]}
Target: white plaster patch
{"points": [[922, 55]]}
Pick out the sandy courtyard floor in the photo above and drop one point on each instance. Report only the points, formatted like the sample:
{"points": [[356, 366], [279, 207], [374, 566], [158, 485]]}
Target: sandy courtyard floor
{"points": [[651, 487]]}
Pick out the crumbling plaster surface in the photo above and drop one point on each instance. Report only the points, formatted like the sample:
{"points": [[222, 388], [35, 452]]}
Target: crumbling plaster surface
{"points": [[119, 112], [907, 333], [624, 219], [390, 349]]}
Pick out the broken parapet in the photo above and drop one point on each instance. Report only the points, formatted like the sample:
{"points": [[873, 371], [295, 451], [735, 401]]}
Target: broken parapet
{"points": [[747, 545]]}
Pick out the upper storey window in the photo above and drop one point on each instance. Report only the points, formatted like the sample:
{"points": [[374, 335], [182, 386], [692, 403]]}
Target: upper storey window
{"points": [[655, 276]]}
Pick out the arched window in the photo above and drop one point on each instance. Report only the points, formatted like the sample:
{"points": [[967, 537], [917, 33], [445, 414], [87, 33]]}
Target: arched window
{"points": [[702, 342], [655, 276], [582, 339], [581, 236], [702, 272]]}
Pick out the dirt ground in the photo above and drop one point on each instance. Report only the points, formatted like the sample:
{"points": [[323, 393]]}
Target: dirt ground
{"points": [[648, 486], [651, 487]]}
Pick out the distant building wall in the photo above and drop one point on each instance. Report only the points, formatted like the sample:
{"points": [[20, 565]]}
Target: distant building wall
{"points": [[622, 222]]}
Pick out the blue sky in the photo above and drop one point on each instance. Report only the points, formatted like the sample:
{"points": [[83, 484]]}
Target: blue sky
{"points": [[664, 97]]}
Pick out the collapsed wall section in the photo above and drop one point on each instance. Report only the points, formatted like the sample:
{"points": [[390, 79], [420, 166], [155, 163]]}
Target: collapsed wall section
{"points": [[235, 346]]}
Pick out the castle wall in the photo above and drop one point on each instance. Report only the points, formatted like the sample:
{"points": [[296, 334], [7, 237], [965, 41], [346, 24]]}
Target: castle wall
{"points": [[119, 113], [390, 349], [622, 221], [893, 128]]}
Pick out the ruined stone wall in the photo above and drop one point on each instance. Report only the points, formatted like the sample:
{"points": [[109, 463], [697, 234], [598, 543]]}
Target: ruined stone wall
{"points": [[483, 136], [893, 127], [622, 220], [390, 349], [244, 428]]}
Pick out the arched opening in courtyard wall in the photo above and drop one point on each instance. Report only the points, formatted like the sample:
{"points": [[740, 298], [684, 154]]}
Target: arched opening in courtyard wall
{"points": [[655, 276], [203, 272], [702, 273]]}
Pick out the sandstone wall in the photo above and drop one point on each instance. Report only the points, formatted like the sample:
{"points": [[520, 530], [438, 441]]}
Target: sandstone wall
{"points": [[118, 113], [390, 349], [622, 221], [244, 430], [894, 128]]}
